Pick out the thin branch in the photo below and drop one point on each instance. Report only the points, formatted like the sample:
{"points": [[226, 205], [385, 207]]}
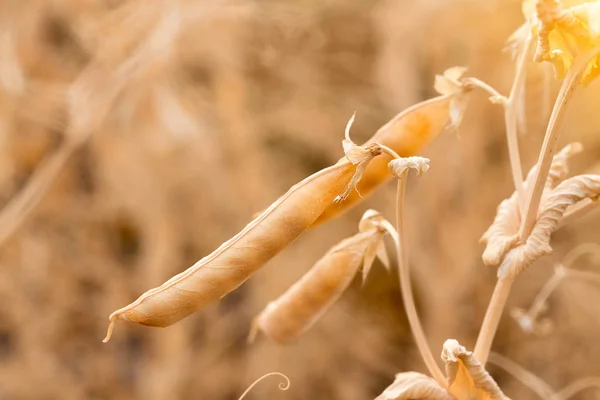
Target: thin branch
{"points": [[549, 287], [20, 206], [510, 120], [579, 251], [549, 146], [576, 387], [407, 296], [492, 318], [477, 83], [523, 375]]}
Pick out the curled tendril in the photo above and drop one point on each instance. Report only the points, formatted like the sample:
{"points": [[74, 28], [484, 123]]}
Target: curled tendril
{"points": [[285, 385], [580, 251]]}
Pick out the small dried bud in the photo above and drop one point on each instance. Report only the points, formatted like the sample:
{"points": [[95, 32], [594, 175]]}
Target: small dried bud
{"points": [[398, 166]]}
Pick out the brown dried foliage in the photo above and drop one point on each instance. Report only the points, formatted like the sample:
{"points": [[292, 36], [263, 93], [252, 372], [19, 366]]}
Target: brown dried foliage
{"points": [[251, 99]]}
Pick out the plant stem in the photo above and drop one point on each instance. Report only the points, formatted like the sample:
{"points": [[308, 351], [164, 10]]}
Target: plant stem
{"points": [[19, 208], [528, 378], [404, 274], [510, 120], [576, 387], [492, 318], [548, 150], [504, 284], [474, 82], [540, 300], [590, 248], [589, 276]]}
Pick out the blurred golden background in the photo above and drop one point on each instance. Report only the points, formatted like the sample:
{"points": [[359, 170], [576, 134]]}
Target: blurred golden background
{"points": [[207, 112]]}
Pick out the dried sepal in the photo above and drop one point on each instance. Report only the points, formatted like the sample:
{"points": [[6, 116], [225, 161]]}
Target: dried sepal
{"points": [[467, 378], [383, 256], [236, 260], [294, 312], [373, 221], [414, 386], [399, 166], [569, 192], [406, 134], [502, 235], [449, 84], [360, 156]]}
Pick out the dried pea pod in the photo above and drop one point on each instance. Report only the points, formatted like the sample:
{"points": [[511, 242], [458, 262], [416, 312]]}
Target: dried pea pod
{"points": [[294, 312], [236, 260]]}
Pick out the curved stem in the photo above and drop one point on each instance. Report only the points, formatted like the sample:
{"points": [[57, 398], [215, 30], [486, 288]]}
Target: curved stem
{"points": [[492, 318], [576, 387], [588, 276], [550, 145], [579, 251], [510, 120], [526, 377], [404, 274], [474, 82], [540, 300]]}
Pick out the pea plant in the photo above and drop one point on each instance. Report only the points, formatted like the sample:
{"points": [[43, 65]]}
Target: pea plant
{"points": [[544, 199]]}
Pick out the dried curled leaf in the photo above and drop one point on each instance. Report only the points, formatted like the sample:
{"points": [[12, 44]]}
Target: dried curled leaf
{"points": [[559, 169], [414, 386], [234, 261], [569, 192], [502, 235], [467, 378], [565, 34], [407, 134], [286, 318]]}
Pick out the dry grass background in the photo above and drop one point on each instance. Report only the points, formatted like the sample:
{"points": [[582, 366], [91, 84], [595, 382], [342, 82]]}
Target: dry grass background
{"points": [[219, 108]]}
